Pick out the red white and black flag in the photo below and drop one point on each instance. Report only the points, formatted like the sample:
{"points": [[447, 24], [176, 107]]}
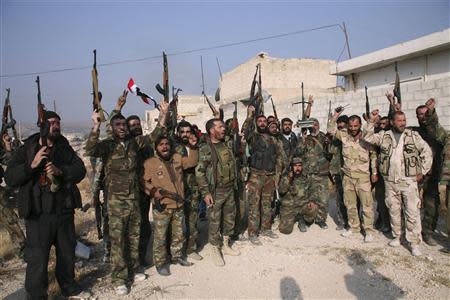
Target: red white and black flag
{"points": [[134, 89]]}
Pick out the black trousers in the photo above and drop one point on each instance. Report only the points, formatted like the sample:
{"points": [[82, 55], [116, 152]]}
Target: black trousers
{"points": [[43, 232], [145, 227]]}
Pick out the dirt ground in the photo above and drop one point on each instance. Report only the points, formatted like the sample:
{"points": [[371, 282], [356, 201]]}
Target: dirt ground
{"points": [[318, 264]]}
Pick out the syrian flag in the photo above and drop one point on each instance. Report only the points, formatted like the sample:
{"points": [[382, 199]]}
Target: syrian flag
{"points": [[134, 89]]}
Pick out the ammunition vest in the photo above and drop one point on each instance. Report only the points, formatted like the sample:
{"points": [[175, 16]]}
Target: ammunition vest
{"points": [[226, 165], [263, 154], [410, 154]]}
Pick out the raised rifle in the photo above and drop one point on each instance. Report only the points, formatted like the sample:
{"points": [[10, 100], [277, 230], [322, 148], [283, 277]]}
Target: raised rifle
{"points": [[96, 95], [164, 90], [256, 98], [214, 110], [274, 109], [173, 110], [235, 130], [367, 113], [397, 92], [303, 123], [43, 131]]}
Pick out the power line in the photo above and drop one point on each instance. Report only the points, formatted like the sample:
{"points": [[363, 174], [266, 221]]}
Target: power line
{"points": [[232, 44]]}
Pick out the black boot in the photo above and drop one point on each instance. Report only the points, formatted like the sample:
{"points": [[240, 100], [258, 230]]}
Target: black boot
{"points": [[182, 262], [163, 270], [301, 224]]}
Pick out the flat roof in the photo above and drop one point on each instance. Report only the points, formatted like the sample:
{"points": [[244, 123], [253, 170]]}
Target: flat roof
{"points": [[423, 45]]}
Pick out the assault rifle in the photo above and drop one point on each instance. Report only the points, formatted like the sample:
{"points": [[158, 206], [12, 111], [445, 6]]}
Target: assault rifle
{"points": [[8, 120], [96, 95], [166, 194], [164, 90], [214, 110], [43, 130], [256, 98]]}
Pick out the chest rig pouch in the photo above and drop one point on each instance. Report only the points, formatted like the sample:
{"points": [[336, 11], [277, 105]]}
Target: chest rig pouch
{"points": [[263, 154]]}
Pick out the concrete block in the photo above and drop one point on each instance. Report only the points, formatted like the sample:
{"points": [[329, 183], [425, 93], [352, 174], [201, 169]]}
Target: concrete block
{"points": [[418, 95], [428, 85], [412, 87], [443, 82]]}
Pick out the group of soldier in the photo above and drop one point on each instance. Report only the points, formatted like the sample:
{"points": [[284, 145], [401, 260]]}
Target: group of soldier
{"points": [[275, 176]]}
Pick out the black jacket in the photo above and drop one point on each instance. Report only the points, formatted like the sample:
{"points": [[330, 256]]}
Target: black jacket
{"points": [[33, 200]]}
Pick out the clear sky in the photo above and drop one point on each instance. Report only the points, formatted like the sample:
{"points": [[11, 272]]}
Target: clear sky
{"points": [[38, 36]]}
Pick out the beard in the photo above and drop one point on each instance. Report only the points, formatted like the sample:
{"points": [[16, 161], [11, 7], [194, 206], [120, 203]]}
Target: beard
{"points": [[165, 156], [136, 132], [261, 130], [287, 132], [184, 140], [54, 135]]}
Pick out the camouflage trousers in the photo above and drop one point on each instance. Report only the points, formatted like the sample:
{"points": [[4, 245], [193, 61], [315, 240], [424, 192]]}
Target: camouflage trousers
{"points": [[447, 198], [10, 221], [342, 217], [241, 209], [259, 191], [191, 219], [145, 229], [319, 194], [380, 198], [355, 188], [289, 211], [221, 215], [162, 221], [124, 223], [430, 204], [405, 192]]}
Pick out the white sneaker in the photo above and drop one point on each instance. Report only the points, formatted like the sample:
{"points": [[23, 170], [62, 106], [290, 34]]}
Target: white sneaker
{"points": [[121, 290], [139, 277], [394, 243], [415, 251], [347, 233], [195, 256], [368, 238], [82, 295]]}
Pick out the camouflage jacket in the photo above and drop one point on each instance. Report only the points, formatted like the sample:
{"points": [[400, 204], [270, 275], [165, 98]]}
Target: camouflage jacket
{"points": [[360, 157], [337, 161], [190, 182], [442, 136], [314, 152], [207, 171], [121, 160], [297, 189]]}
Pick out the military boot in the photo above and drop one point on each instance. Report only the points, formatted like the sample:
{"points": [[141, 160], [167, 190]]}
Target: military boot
{"points": [[301, 224], [227, 250], [217, 257], [429, 240]]}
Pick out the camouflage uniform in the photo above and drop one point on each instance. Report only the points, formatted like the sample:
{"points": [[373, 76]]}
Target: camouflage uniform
{"points": [[313, 151], [442, 136], [295, 202], [399, 169], [122, 183], [216, 175], [192, 197], [265, 169], [358, 156], [336, 163], [9, 220], [430, 184]]}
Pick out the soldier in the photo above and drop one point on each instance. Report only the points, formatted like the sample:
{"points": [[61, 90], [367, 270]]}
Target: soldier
{"points": [[442, 136], [288, 138], [120, 155], [265, 169], [145, 231], [316, 163], [430, 184], [217, 179], [404, 159], [47, 178], [8, 217], [192, 196], [359, 158], [294, 187], [336, 164], [163, 177]]}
